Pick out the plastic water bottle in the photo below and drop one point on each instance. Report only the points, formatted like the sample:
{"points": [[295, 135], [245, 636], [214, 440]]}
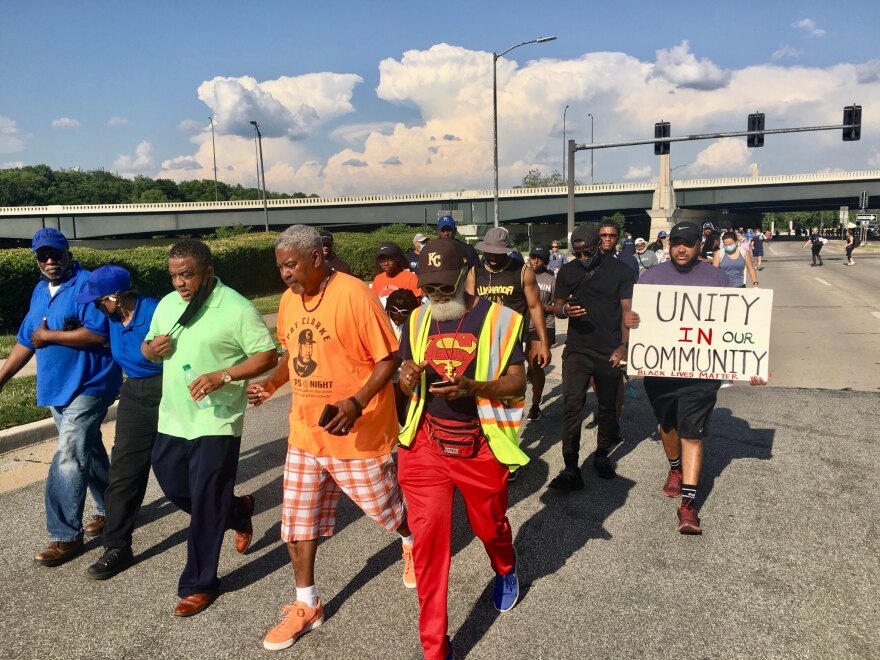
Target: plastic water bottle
{"points": [[189, 376]]}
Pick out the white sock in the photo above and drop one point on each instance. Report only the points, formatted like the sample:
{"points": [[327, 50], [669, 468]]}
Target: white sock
{"points": [[308, 595], [407, 540]]}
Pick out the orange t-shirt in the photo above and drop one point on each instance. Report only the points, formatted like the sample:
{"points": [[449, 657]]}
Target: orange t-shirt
{"points": [[332, 353], [405, 279]]}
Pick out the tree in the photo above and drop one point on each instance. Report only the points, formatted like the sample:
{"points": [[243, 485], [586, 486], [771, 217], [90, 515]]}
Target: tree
{"points": [[536, 179]]}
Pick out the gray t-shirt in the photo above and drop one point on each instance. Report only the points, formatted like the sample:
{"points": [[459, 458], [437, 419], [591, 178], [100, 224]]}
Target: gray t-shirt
{"points": [[702, 274]]}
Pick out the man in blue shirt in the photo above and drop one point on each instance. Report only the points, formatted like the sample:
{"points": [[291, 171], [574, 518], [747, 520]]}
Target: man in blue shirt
{"points": [[78, 380], [137, 419]]}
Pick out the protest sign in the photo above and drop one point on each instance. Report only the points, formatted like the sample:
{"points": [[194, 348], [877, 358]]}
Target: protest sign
{"points": [[713, 333]]}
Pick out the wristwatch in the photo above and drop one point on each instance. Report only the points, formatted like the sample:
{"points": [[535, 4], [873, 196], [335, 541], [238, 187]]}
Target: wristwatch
{"points": [[225, 377]]}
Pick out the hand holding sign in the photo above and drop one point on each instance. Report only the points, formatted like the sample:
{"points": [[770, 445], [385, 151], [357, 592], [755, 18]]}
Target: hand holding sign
{"points": [[711, 333]]}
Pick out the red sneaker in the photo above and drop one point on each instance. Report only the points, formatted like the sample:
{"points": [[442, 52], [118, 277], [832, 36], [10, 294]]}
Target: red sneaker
{"points": [[688, 520], [672, 487]]}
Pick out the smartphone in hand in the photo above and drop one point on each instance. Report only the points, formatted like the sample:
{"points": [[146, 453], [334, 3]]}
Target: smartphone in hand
{"points": [[441, 383], [330, 411]]}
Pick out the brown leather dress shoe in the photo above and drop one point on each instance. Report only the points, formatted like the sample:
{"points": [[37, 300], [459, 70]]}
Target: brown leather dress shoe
{"points": [[243, 539], [193, 604], [95, 527], [59, 552]]}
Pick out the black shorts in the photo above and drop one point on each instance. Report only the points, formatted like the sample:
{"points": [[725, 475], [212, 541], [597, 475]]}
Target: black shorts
{"points": [[683, 404], [533, 336]]}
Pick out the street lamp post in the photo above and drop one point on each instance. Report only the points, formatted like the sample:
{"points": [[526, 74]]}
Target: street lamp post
{"points": [[564, 145], [495, 57], [214, 150], [262, 172], [592, 180]]}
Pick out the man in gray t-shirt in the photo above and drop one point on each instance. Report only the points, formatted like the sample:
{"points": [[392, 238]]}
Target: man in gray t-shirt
{"points": [[538, 260], [683, 406]]}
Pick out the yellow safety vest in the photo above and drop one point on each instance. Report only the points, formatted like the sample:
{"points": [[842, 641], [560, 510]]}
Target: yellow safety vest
{"points": [[500, 420]]}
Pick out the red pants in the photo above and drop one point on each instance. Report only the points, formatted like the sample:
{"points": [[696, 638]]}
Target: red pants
{"points": [[428, 481]]}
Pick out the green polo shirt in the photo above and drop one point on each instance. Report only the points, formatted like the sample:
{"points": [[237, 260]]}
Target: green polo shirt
{"points": [[226, 331]]}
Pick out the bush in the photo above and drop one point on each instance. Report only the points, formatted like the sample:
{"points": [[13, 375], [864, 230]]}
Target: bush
{"points": [[245, 262]]}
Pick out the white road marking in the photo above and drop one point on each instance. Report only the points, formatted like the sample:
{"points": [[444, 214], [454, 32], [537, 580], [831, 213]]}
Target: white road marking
{"points": [[821, 281], [877, 314], [770, 247]]}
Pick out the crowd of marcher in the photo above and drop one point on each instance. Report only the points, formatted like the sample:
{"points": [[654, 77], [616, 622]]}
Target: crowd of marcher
{"points": [[432, 359]]}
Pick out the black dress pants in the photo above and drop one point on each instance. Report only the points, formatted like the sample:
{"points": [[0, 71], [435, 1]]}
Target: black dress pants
{"points": [[137, 419], [198, 476], [577, 370]]}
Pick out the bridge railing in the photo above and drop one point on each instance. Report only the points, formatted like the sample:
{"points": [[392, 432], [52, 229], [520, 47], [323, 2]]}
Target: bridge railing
{"points": [[487, 194]]}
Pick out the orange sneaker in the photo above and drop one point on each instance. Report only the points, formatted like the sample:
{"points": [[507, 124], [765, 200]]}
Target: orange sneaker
{"points": [[409, 568], [299, 620]]}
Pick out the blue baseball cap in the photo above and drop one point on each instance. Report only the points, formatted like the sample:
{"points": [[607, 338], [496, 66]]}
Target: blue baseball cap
{"points": [[661, 234], [49, 237], [446, 222], [104, 281]]}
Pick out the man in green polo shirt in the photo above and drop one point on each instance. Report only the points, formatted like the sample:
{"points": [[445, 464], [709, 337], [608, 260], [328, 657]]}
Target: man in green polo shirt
{"points": [[207, 360]]}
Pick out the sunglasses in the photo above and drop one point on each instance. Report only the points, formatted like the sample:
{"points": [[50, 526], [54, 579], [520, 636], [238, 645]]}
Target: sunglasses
{"points": [[580, 253], [391, 309], [44, 255], [442, 289], [674, 242]]}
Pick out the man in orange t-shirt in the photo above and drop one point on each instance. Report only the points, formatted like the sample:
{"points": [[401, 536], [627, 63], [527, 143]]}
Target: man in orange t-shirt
{"points": [[392, 273], [341, 354]]}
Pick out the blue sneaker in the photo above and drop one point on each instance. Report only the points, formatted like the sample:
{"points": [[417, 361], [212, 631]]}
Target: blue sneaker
{"points": [[506, 592]]}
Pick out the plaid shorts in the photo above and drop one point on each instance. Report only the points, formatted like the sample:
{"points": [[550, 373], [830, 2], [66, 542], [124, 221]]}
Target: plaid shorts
{"points": [[313, 484]]}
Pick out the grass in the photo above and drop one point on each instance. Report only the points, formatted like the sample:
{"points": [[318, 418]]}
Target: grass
{"points": [[6, 344], [267, 304], [18, 404]]}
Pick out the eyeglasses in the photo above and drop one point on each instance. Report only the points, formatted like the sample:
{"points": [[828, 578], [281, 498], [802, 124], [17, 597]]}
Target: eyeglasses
{"points": [[674, 242], [442, 289], [44, 255], [391, 309], [585, 251]]}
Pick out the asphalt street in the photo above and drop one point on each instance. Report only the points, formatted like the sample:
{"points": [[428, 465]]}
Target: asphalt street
{"points": [[788, 565]]}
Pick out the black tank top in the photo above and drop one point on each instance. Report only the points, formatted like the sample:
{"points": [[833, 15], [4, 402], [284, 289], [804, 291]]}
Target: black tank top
{"points": [[504, 287]]}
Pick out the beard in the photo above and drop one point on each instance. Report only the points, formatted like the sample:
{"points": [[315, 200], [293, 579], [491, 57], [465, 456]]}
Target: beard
{"points": [[689, 266], [451, 310]]}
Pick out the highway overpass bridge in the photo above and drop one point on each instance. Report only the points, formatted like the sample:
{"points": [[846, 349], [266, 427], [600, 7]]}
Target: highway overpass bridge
{"points": [[759, 194]]}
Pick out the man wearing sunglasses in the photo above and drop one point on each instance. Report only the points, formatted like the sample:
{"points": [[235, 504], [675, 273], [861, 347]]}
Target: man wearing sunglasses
{"points": [[683, 406], [78, 380], [464, 374], [592, 291]]}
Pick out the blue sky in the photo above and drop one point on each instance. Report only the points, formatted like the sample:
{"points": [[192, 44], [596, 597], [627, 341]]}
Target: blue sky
{"points": [[359, 98]]}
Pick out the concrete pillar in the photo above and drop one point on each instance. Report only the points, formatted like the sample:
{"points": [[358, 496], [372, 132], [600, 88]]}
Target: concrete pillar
{"points": [[663, 212]]}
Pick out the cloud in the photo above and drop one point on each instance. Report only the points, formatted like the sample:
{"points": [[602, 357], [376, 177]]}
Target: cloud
{"points": [[181, 163], [290, 106], [445, 94], [680, 67], [117, 121], [638, 172], [357, 133], [11, 139], [11, 164], [784, 51], [393, 160], [874, 159], [869, 72], [191, 126], [808, 25], [728, 156], [65, 122], [141, 163]]}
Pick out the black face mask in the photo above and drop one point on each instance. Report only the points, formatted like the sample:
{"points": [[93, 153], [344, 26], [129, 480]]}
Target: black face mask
{"points": [[594, 261]]}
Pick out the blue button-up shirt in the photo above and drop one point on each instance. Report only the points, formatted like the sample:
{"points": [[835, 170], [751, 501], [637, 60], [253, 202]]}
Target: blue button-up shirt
{"points": [[125, 340], [63, 373]]}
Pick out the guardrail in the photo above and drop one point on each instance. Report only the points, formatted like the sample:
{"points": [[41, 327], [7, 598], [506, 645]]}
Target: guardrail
{"points": [[316, 202]]}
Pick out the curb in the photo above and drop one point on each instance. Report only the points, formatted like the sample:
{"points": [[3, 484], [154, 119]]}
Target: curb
{"points": [[37, 432]]}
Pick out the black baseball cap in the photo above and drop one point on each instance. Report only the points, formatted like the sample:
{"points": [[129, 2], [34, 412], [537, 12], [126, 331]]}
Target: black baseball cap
{"points": [[441, 261], [687, 230]]}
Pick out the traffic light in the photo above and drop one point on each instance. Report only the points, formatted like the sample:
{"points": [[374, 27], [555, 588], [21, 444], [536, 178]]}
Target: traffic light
{"points": [[756, 123], [661, 130], [852, 120]]}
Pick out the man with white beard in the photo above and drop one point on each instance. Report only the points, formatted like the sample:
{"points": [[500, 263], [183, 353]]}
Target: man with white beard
{"points": [[463, 371]]}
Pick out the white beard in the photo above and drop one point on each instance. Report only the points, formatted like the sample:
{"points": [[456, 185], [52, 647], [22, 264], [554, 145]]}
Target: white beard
{"points": [[451, 310]]}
